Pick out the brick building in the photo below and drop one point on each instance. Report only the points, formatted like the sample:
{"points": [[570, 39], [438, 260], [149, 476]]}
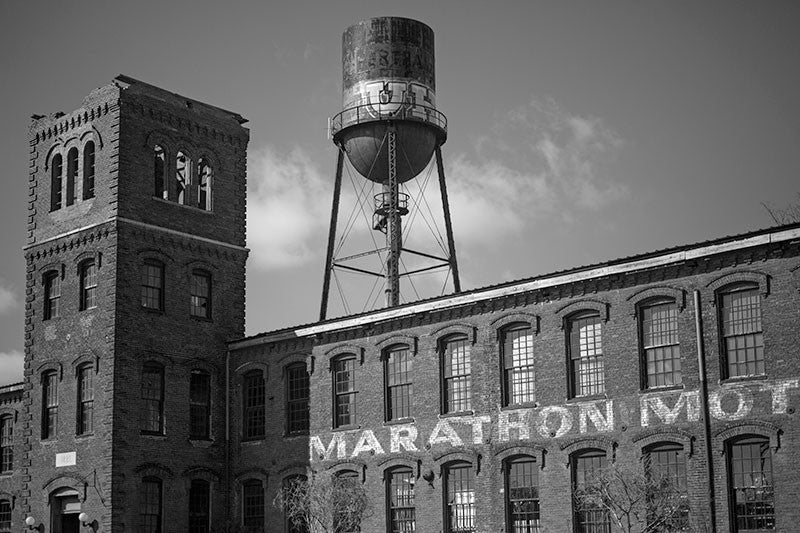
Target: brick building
{"points": [[144, 407]]}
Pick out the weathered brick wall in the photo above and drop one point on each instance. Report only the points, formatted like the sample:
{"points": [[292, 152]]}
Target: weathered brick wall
{"points": [[11, 482], [622, 421]]}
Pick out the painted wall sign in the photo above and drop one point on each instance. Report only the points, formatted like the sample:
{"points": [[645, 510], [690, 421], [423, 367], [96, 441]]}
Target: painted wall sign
{"points": [[726, 403], [66, 459]]}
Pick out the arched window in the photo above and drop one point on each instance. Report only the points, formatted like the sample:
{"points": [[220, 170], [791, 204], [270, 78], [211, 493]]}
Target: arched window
{"points": [[752, 491], [589, 517], [459, 498], [151, 505], [85, 421], [52, 295], [585, 335], [204, 182], [253, 504], [397, 367], [88, 170], [400, 507], [200, 293], [456, 375], [522, 495], [183, 177], [56, 172], [254, 400], [72, 174], [199, 506], [297, 397], [49, 404], [5, 516], [518, 365], [294, 488], [160, 173], [661, 353], [665, 470], [343, 372], [742, 335], [153, 285], [88, 285], [6, 444], [199, 405], [153, 399]]}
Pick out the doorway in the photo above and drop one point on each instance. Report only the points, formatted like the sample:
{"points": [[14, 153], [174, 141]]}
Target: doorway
{"points": [[65, 506]]}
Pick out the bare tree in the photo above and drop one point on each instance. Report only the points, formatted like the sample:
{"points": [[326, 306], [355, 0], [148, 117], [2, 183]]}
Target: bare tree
{"points": [[636, 500], [324, 504], [784, 215]]}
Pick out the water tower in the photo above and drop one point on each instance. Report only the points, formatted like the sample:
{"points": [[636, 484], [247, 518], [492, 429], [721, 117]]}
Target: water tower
{"points": [[389, 129]]}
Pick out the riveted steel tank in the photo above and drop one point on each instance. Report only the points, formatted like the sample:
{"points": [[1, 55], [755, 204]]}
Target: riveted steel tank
{"points": [[388, 81]]}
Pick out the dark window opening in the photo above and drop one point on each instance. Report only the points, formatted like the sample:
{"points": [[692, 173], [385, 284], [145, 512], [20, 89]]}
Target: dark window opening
{"points": [[253, 504], [6, 444], [199, 405], [88, 286], [153, 399], [522, 495], [204, 182], [153, 285], [52, 295], [56, 176], [72, 174], [255, 398], [88, 170], [201, 294], [49, 405], [160, 173], [297, 398], [199, 506], [588, 517], [752, 490], [85, 423], [150, 505]]}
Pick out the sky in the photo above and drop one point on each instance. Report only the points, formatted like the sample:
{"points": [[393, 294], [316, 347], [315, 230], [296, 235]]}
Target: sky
{"points": [[578, 132]]}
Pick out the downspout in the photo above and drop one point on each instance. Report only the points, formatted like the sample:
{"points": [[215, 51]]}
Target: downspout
{"points": [[701, 365], [228, 441]]}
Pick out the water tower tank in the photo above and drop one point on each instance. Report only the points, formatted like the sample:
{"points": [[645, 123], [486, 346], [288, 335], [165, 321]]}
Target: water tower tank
{"points": [[388, 82]]}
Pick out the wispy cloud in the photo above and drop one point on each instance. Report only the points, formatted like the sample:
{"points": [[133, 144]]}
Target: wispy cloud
{"points": [[11, 366], [287, 204], [8, 298]]}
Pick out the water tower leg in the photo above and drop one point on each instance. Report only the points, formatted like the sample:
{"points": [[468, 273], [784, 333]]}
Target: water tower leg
{"points": [[394, 231], [451, 244], [326, 280]]}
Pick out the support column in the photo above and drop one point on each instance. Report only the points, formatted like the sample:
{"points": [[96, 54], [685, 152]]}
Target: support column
{"points": [[394, 230], [451, 244], [337, 190]]}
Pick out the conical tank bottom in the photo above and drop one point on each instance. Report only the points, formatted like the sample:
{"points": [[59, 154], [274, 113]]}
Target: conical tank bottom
{"points": [[367, 148]]}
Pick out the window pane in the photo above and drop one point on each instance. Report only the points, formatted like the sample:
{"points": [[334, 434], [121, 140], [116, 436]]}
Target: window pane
{"points": [[204, 177], [72, 174], [201, 295], [741, 329], [518, 364], [457, 369], [85, 400], [255, 397], [152, 399], [297, 396], [88, 170], [52, 295], [5, 516], [402, 516], [398, 384], [152, 285], [753, 493], [660, 344], [182, 176], [49, 405], [460, 500], [88, 286], [199, 501], [6, 444], [344, 391], [199, 405], [56, 169], [253, 503], [586, 355], [589, 518], [522, 496], [150, 505], [159, 169]]}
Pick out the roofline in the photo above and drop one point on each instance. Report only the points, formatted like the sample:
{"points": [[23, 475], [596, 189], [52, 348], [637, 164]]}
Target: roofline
{"points": [[13, 387], [618, 266]]}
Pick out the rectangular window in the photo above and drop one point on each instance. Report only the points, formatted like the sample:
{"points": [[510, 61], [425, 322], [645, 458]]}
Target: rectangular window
{"points": [[460, 499], [159, 173], [85, 400], [52, 295], [741, 331], [518, 366], [153, 399], [204, 176], [400, 501], [150, 505], [586, 355], [297, 397], [88, 280], [397, 369], [201, 295], [6, 444], [56, 170], [522, 496], [588, 517], [72, 174], [49, 405], [665, 467], [344, 392], [153, 285], [457, 370], [199, 506], [182, 177], [253, 504], [199, 405], [5, 516], [662, 354], [752, 490], [255, 397]]}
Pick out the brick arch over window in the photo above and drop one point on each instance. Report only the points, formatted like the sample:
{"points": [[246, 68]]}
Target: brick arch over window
{"points": [[341, 349], [586, 304], [579, 444], [71, 481], [404, 461], [722, 283], [644, 296], [650, 437], [510, 320], [389, 342], [537, 453], [355, 469], [468, 330], [201, 472], [50, 366], [758, 428], [451, 457]]}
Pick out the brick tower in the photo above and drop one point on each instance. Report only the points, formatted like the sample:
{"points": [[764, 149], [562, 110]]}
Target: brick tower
{"points": [[135, 282]]}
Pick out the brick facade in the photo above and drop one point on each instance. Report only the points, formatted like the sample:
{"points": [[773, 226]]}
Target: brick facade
{"points": [[142, 350]]}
